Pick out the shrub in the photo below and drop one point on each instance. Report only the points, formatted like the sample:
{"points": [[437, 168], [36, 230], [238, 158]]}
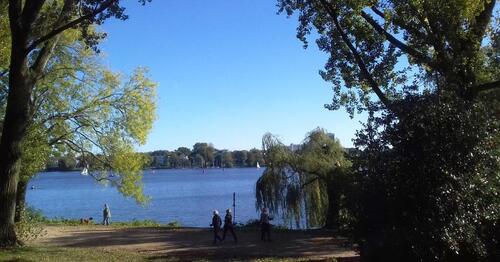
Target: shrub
{"points": [[429, 183], [31, 225]]}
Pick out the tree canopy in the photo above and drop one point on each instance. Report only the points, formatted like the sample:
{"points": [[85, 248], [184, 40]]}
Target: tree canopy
{"points": [[425, 169], [381, 51], [84, 108]]}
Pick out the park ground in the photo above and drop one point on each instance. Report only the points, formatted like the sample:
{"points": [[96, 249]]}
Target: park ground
{"points": [[100, 243]]}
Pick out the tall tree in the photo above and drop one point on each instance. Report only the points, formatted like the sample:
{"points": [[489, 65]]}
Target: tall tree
{"points": [[240, 157], [381, 50], [427, 72], [35, 28], [203, 154], [79, 105]]}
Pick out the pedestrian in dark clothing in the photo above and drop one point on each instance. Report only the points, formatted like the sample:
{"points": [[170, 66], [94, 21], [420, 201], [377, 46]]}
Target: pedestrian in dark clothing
{"points": [[228, 226], [216, 224], [106, 215], [265, 225]]}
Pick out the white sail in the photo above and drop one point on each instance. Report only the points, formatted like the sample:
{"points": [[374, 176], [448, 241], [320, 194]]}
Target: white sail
{"points": [[85, 172], [258, 166]]}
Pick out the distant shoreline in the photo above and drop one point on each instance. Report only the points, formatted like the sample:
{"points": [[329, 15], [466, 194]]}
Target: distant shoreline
{"points": [[156, 168]]}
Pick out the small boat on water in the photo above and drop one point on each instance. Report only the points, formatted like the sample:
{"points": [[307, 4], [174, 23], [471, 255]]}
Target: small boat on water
{"points": [[258, 166], [85, 172]]}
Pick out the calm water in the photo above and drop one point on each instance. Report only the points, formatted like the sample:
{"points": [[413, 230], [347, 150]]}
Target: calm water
{"points": [[186, 195]]}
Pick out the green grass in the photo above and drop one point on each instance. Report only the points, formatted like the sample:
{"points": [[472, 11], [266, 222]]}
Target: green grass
{"points": [[42, 254], [133, 223], [27, 254]]}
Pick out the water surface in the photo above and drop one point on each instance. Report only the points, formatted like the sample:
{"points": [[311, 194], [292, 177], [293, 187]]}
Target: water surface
{"points": [[184, 195]]}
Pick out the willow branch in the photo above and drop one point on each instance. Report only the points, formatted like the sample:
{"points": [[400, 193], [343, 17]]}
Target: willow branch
{"points": [[309, 182], [76, 112], [75, 147]]}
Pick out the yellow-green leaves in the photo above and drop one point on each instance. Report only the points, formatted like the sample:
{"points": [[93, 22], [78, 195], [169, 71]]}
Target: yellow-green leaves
{"points": [[84, 109], [141, 102], [128, 165], [35, 152], [5, 41]]}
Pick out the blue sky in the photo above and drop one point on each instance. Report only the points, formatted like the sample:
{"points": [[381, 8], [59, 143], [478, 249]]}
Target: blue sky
{"points": [[228, 71]]}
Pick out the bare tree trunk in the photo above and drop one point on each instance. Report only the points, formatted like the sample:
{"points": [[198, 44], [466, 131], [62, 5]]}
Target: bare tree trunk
{"points": [[14, 129]]}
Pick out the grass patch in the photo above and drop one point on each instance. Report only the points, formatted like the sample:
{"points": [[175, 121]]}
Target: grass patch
{"points": [[133, 223], [254, 224], [28, 254], [42, 254], [36, 216]]}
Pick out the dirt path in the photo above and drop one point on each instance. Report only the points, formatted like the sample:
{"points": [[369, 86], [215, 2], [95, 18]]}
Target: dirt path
{"points": [[196, 242]]}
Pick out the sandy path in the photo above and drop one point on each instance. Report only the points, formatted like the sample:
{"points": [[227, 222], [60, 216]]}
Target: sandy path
{"points": [[197, 242]]}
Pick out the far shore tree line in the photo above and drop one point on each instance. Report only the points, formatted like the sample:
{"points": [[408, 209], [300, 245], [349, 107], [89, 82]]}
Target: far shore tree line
{"points": [[201, 155]]}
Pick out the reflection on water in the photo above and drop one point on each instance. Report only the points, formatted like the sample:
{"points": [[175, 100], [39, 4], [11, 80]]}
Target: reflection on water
{"points": [[185, 195]]}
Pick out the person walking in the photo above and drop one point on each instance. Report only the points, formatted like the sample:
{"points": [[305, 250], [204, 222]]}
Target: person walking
{"points": [[106, 215], [228, 225], [265, 225], [216, 224]]}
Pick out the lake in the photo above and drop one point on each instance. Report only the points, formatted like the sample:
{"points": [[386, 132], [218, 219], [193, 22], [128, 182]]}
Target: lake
{"points": [[184, 195]]}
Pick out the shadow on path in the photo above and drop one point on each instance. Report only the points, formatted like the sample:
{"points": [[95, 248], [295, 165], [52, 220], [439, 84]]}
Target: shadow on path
{"points": [[188, 243]]}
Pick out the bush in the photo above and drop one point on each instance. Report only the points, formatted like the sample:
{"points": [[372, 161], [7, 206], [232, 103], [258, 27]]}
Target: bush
{"points": [[429, 183], [174, 224], [31, 225], [252, 223]]}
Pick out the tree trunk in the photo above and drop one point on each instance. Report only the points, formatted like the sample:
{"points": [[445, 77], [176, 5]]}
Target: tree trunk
{"points": [[20, 199], [14, 129], [332, 217]]}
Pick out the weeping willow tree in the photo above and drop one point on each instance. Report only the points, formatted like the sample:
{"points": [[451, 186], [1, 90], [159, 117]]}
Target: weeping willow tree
{"points": [[306, 183]]}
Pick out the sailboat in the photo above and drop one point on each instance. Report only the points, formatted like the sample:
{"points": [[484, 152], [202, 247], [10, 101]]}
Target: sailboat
{"points": [[85, 172], [258, 166]]}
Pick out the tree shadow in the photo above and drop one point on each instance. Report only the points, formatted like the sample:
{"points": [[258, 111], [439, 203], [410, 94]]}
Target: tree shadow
{"points": [[191, 243]]}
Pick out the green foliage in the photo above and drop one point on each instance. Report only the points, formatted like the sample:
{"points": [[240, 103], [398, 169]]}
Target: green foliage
{"points": [[379, 51], [134, 223], [129, 166], [36, 153], [88, 117], [174, 224], [137, 223], [301, 184], [254, 224], [427, 166], [30, 227], [203, 154], [49, 254], [429, 183], [81, 110]]}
